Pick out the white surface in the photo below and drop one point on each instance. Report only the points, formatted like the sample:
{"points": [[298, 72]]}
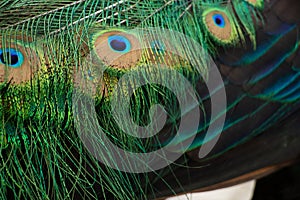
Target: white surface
{"points": [[239, 192]]}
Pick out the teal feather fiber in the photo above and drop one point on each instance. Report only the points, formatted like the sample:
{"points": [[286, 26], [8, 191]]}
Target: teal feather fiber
{"points": [[41, 155]]}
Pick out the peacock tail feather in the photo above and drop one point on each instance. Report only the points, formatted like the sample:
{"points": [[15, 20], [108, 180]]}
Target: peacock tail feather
{"points": [[53, 49]]}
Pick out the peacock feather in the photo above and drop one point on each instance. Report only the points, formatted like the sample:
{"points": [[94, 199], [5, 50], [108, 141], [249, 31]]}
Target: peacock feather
{"points": [[63, 63]]}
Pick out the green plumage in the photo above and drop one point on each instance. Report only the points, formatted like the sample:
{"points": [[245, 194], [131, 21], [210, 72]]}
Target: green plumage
{"points": [[41, 154]]}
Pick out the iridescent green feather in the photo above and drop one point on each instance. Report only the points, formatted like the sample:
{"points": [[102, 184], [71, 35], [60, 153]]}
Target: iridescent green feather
{"points": [[41, 154]]}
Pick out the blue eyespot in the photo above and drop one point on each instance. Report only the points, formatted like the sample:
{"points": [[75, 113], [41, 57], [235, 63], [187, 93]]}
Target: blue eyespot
{"points": [[11, 57], [119, 43], [219, 20], [90, 75], [157, 47]]}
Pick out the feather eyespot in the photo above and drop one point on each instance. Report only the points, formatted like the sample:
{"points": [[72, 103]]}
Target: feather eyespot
{"points": [[159, 49], [11, 57], [160, 52], [219, 20], [119, 43], [117, 49], [17, 63], [220, 25], [157, 46]]}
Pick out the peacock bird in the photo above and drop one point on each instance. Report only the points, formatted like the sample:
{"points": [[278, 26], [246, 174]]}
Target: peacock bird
{"points": [[62, 69]]}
